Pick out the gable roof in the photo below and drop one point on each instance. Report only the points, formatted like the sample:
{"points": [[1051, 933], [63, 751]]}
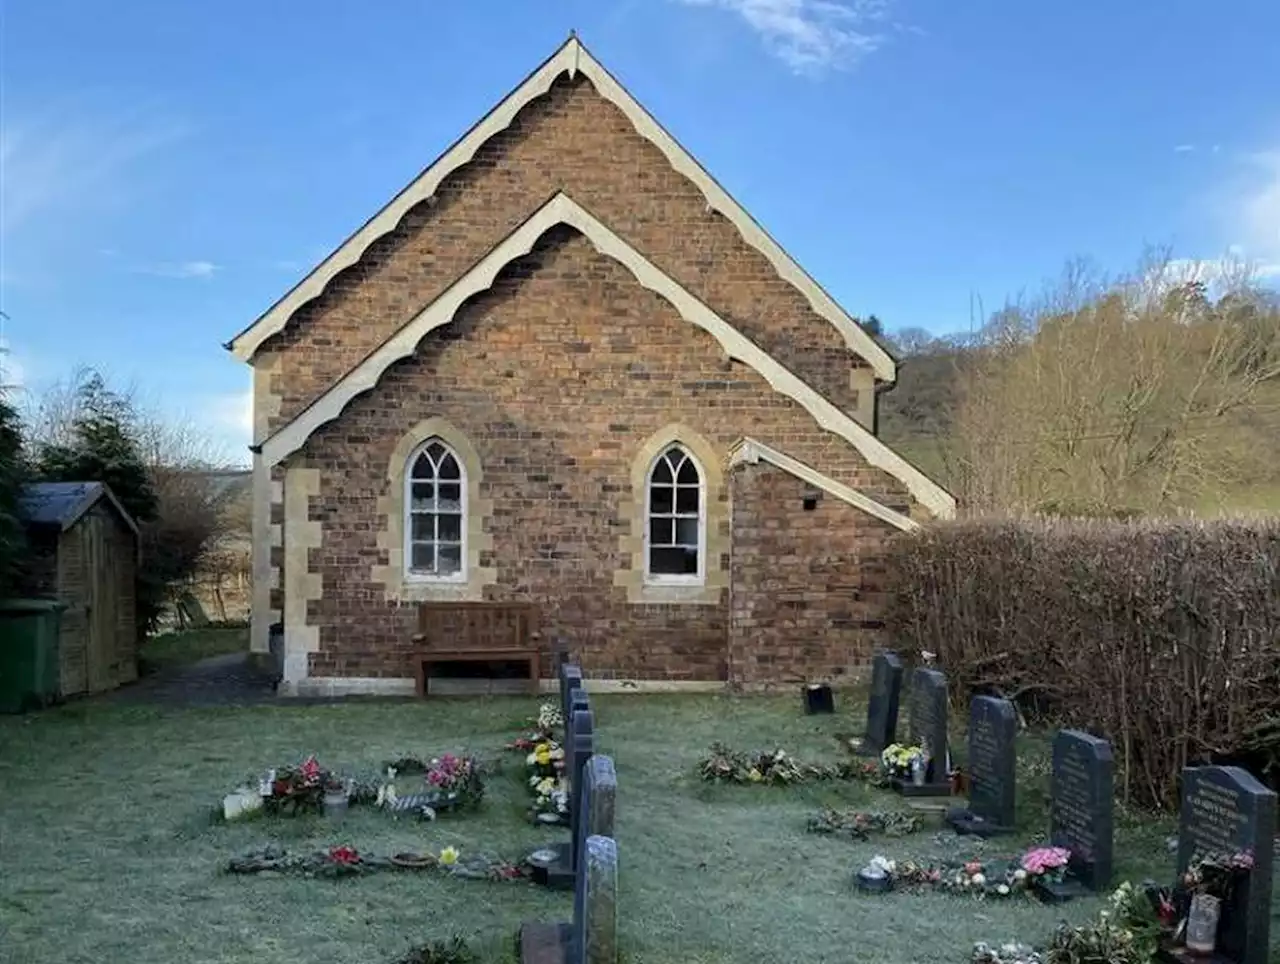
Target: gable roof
{"points": [[561, 209], [62, 504], [748, 451], [571, 58]]}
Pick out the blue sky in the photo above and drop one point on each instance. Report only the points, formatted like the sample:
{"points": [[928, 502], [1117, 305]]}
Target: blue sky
{"points": [[167, 170]]}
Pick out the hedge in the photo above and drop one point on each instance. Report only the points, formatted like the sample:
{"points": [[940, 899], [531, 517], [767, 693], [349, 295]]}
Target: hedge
{"points": [[1163, 636]]}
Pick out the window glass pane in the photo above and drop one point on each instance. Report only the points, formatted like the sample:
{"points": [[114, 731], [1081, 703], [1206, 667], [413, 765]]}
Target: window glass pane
{"points": [[423, 468], [673, 562], [449, 468], [450, 527], [660, 532], [450, 497], [422, 496], [435, 451], [450, 560], [423, 557], [660, 499], [688, 473], [662, 471], [687, 532], [687, 498], [422, 527]]}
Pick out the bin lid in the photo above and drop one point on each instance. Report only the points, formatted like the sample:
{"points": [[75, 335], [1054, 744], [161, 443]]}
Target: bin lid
{"points": [[30, 607]]}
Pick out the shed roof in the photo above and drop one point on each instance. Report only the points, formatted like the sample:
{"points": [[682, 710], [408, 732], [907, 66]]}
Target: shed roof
{"points": [[62, 504]]}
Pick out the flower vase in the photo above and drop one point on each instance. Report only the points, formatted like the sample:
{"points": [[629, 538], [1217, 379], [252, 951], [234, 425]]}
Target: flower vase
{"points": [[919, 771], [335, 804], [1202, 924]]}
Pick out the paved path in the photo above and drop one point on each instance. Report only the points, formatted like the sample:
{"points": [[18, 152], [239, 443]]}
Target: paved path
{"points": [[217, 681]]}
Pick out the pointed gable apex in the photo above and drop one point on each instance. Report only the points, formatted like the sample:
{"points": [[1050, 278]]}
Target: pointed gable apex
{"points": [[572, 58]]}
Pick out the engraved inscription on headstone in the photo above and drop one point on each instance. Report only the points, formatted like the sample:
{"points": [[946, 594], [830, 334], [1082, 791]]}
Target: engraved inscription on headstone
{"points": [[993, 725], [882, 707], [1080, 808], [1225, 811]]}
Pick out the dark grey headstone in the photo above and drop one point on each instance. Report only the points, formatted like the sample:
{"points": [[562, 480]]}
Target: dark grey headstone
{"points": [[882, 707], [570, 679], [1226, 810], [580, 749], [993, 725], [1081, 805], [597, 802], [595, 905], [929, 719]]}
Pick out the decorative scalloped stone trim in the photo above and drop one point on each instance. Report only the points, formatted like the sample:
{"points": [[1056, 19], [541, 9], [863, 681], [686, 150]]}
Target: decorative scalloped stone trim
{"points": [[749, 451], [562, 209], [571, 58]]}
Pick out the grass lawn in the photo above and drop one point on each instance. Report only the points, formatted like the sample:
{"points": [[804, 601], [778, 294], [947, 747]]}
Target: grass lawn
{"points": [[167, 650], [109, 855]]}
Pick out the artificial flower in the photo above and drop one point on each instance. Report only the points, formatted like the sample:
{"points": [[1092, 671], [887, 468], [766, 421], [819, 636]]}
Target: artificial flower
{"points": [[449, 856]]}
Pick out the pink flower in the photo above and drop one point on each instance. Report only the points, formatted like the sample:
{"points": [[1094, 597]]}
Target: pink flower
{"points": [[310, 769], [1043, 859]]}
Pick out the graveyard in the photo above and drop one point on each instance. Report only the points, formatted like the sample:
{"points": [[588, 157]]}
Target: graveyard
{"points": [[123, 804]]}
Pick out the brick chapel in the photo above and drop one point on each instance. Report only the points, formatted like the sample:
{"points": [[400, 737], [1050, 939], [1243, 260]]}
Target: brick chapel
{"points": [[564, 372]]}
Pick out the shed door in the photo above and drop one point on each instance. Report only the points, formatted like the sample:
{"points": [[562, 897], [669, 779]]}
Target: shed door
{"points": [[101, 601]]}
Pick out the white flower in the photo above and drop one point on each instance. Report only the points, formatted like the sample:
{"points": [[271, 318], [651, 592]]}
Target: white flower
{"points": [[1019, 875], [531, 759], [979, 880], [1002, 890], [883, 863]]}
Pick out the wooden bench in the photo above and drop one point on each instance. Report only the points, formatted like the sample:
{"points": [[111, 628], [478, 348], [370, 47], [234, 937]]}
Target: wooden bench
{"points": [[423, 661], [475, 632]]}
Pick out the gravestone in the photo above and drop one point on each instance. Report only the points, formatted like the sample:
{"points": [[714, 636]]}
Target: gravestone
{"points": [[928, 728], [597, 803], [592, 936], [1226, 810], [1081, 792], [882, 707], [993, 725], [570, 679]]}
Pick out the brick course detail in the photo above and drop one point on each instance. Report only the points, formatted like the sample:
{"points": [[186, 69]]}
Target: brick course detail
{"points": [[557, 376]]}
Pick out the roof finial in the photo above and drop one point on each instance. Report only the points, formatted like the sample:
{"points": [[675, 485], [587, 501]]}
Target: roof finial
{"points": [[573, 34]]}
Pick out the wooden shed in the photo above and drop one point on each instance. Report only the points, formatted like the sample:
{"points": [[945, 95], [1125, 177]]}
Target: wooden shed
{"points": [[85, 554]]}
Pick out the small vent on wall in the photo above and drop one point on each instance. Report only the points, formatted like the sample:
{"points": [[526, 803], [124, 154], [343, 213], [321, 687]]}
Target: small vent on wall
{"points": [[811, 497]]}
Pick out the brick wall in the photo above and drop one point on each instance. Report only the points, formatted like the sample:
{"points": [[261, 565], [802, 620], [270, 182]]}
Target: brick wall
{"points": [[572, 140], [557, 376], [807, 587]]}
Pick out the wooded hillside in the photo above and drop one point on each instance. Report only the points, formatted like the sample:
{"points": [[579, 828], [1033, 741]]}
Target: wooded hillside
{"points": [[1142, 395]]}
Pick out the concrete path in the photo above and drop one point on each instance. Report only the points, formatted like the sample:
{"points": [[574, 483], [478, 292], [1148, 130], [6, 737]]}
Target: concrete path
{"points": [[217, 681]]}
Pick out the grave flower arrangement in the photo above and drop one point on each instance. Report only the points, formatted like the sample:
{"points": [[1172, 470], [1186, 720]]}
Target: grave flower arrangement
{"points": [[777, 767], [301, 789], [545, 724], [546, 781], [456, 781], [346, 861], [861, 824], [1216, 874], [898, 758], [1048, 864]]}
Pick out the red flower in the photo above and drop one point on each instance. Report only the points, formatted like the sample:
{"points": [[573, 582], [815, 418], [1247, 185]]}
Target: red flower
{"points": [[310, 770], [280, 788], [344, 855]]}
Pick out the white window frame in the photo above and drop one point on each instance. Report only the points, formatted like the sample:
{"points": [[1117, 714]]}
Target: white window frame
{"points": [[410, 575], [676, 579]]}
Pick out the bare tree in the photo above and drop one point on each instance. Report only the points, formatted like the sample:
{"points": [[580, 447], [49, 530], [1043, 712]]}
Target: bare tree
{"points": [[1113, 395]]}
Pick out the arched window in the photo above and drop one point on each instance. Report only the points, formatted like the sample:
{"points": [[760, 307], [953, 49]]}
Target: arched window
{"points": [[435, 513], [675, 513]]}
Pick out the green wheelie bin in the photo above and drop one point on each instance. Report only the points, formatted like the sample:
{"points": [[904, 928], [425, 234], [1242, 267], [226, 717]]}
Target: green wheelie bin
{"points": [[30, 672]]}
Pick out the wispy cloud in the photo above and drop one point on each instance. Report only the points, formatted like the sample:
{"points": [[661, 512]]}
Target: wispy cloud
{"points": [[202, 270], [1184, 149], [811, 36], [56, 159]]}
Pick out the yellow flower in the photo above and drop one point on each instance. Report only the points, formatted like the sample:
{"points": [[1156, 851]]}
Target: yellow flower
{"points": [[754, 775], [449, 856], [546, 785], [542, 757]]}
